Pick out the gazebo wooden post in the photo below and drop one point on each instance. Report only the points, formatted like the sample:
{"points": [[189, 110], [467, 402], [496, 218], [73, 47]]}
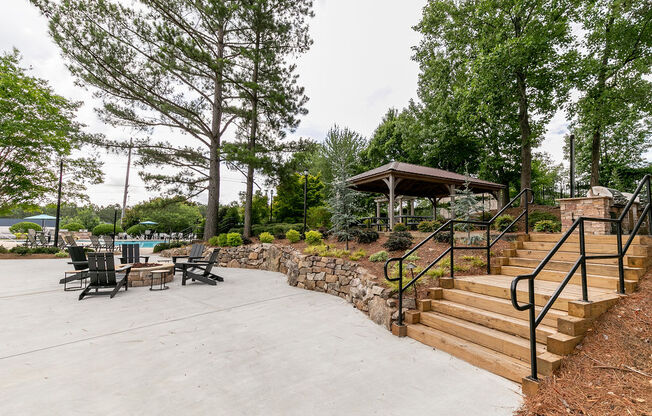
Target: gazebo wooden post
{"points": [[412, 207], [391, 183], [451, 189]]}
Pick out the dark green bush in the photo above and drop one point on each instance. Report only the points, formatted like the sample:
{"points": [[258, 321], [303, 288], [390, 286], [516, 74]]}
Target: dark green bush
{"points": [[535, 217], [547, 226], [164, 246], [443, 237], [366, 236], [107, 229], [72, 226], [398, 240], [138, 229], [503, 222], [319, 217], [3, 250], [428, 226], [22, 227], [213, 241], [22, 250]]}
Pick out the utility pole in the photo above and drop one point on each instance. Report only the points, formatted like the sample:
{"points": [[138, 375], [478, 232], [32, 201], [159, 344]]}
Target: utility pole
{"points": [[271, 201], [124, 198], [56, 225], [572, 166]]}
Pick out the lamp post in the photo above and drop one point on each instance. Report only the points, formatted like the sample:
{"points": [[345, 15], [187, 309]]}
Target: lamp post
{"points": [[271, 201], [305, 200], [56, 224]]}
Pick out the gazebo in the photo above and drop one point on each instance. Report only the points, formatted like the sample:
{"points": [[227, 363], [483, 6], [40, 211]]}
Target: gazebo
{"points": [[404, 181]]}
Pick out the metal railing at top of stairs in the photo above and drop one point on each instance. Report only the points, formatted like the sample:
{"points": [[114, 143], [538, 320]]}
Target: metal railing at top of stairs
{"points": [[450, 226], [581, 262]]}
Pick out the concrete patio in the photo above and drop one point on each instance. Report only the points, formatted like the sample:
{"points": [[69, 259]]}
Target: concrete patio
{"points": [[250, 346]]}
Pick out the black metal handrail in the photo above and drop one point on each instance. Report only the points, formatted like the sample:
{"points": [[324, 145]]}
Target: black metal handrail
{"points": [[580, 263], [450, 224]]}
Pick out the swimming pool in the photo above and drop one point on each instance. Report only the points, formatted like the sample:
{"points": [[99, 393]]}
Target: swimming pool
{"points": [[141, 243]]}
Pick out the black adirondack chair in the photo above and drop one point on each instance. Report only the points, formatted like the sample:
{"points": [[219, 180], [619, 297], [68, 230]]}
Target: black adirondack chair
{"points": [[70, 241], [103, 275], [131, 254], [79, 262], [196, 254], [201, 270]]}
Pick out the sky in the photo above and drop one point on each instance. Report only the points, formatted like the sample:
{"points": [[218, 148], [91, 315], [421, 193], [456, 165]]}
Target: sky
{"points": [[358, 67]]}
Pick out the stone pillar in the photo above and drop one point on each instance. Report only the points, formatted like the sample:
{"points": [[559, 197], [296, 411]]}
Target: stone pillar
{"points": [[597, 207]]}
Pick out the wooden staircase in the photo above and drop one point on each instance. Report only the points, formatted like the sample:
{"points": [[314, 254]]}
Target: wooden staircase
{"points": [[472, 317]]}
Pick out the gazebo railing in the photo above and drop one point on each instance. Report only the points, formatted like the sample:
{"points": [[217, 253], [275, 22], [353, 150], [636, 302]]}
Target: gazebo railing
{"points": [[450, 226]]}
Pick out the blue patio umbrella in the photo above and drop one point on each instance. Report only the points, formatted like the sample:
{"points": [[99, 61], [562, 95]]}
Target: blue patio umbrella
{"points": [[149, 223], [41, 217]]}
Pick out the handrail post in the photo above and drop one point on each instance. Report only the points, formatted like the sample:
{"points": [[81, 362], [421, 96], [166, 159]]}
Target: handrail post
{"points": [[452, 247], [488, 249], [621, 269], [526, 212], [533, 331], [585, 291], [400, 292], [649, 201]]}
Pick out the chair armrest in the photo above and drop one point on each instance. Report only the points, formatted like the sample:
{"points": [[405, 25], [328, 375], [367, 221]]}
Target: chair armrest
{"points": [[145, 257], [193, 258], [78, 262], [122, 269], [174, 258]]}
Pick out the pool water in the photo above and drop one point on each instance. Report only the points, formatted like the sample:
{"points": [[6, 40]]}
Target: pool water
{"points": [[141, 243]]}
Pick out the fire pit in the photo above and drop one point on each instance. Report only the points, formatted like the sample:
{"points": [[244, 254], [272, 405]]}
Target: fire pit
{"points": [[141, 273]]}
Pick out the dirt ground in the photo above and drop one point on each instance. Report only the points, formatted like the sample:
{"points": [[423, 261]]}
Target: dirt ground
{"points": [[11, 256], [610, 373]]}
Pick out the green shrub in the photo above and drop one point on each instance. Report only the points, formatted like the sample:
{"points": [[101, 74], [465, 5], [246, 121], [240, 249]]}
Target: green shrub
{"points": [[535, 217], [379, 256], [443, 237], [366, 236], [72, 226], [399, 227], [547, 226], [20, 250], [398, 240], [358, 255], [313, 238], [413, 257], [164, 246], [478, 262], [233, 239], [293, 236], [428, 226], [138, 229], [325, 251], [22, 227], [222, 240], [3, 250], [61, 255], [503, 222], [461, 268], [20, 236], [213, 241], [436, 272], [107, 229], [266, 237], [318, 217]]}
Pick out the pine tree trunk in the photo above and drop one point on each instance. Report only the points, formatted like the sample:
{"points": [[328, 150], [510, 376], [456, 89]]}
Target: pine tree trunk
{"points": [[252, 142], [210, 228]]}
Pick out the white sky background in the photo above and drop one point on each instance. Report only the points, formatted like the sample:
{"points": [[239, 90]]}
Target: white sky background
{"points": [[358, 67]]}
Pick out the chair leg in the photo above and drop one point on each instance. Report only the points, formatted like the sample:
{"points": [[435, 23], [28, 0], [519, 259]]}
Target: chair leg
{"points": [[84, 292]]}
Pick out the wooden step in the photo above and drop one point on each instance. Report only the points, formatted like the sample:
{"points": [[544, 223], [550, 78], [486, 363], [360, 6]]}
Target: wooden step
{"points": [[498, 286], [590, 238], [474, 354], [631, 261], [507, 344], [498, 305], [610, 270], [604, 282], [636, 250], [503, 323]]}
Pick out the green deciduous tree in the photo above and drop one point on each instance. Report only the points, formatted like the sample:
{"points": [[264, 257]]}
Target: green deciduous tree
{"points": [[288, 204], [613, 124], [171, 214], [37, 130]]}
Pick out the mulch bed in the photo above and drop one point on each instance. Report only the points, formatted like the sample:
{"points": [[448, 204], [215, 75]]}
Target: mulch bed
{"points": [[610, 373], [144, 265]]}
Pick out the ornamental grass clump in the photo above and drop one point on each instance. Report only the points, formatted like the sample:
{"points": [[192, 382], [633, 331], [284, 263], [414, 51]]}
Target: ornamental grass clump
{"points": [[378, 257]]}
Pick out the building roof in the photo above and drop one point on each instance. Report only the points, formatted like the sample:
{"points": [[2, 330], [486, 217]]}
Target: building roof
{"points": [[415, 180]]}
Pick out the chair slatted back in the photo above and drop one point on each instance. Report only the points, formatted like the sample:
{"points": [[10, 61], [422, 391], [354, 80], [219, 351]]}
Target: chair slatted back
{"points": [[211, 261], [130, 253], [108, 241], [78, 254], [197, 250], [101, 269], [70, 240], [31, 239], [31, 231], [61, 244], [95, 241], [43, 240]]}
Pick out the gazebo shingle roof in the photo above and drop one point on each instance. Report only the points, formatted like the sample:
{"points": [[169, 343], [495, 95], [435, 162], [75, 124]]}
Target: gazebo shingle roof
{"points": [[415, 180]]}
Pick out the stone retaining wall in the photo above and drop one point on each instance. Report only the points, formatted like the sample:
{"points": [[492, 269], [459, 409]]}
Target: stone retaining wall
{"points": [[334, 276]]}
